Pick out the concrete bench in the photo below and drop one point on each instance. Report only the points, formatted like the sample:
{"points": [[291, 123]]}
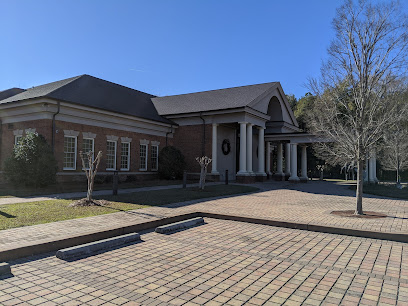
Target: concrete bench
{"points": [[92, 247], [179, 225], [5, 268]]}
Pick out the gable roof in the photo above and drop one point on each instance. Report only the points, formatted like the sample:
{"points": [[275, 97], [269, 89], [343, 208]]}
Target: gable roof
{"points": [[10, 92], [234, 97], [90, 91]]}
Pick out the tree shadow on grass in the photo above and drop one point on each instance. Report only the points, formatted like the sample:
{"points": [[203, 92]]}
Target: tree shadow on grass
{"points": [[4, 214]]}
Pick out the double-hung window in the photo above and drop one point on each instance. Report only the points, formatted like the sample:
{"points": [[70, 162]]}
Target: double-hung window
{"points": [[17, 139], [143, 157], [88, 146], [70, 152], [125, 156], [111, 155], [155, 157]]}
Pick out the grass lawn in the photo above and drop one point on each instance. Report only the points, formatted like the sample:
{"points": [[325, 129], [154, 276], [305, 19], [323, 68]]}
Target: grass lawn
{"points": [[388, 190], [24, 214], [7, 191]]}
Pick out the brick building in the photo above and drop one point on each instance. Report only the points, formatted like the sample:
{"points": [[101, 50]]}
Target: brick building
{"points": [[237, 127]]}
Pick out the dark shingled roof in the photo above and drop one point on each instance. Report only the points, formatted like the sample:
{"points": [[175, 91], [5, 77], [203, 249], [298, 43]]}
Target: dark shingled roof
{"points": [[10, 92], [234, 97], [94, 92]]}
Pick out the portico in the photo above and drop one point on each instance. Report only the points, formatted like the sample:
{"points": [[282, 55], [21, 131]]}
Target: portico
{"points": [[246, 125]]}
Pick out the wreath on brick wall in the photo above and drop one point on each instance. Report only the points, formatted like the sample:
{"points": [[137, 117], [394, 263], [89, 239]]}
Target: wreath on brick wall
{"points": [[226, 146]]}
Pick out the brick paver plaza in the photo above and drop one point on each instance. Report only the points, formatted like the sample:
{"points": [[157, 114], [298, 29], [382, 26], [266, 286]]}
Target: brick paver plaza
{"points": [[225, 262]]}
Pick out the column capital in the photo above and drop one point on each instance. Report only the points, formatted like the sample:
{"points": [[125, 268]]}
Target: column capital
{"points": [[243, 122], [261, 127], [215, 124]]}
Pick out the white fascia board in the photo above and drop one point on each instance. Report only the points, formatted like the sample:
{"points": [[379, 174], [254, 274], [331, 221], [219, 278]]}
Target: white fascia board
{"points": [[37, 109], [243, 114], [206, 113], [296, 138]]}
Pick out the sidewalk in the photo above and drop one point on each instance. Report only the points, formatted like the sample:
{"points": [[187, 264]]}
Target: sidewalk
{"points": [[302, 203], [75, 195]]}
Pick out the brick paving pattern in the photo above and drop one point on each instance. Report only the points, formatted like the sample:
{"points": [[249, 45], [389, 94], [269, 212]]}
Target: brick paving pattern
{"points": [[304, 203], [221, 262]]}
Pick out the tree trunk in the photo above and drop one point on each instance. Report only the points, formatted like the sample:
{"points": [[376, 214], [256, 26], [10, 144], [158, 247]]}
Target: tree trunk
{"points": [[204, 175], [359, 193], [398, 176]]}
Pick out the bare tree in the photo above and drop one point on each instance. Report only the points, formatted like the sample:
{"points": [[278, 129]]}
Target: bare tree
{"points": [[90, 167], [394, 154], [353, 107], [204, 162]]}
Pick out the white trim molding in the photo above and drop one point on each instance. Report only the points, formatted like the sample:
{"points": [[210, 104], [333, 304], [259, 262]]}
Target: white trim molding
{"points": [[75, 151], [125, 139], [144, 142], [112, 138], [18, 132], [71, 133], [155, 143], [30, 130], [88, 135]]}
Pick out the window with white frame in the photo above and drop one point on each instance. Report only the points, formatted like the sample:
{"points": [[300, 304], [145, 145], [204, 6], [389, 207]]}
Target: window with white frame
{"points": [[17, 139], [111, 155], [143, 157], [88, 146], [155, 157], [70, 152], [125, 156]]}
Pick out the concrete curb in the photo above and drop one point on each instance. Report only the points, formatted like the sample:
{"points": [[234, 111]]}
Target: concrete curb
{"points": [[397, 237], [5, 268], [55, 245], [92, 247], [179, 225]]}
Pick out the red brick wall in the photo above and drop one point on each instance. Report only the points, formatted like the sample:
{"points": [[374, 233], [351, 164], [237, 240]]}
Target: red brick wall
{"points": [[44, 127], [100, 144], [189, 140]]}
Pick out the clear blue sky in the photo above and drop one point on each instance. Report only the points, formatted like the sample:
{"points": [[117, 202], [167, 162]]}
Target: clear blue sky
{"points": [[165, 47]]}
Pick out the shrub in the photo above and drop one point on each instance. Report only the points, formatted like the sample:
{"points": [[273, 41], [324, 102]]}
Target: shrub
{"points": [[32, 162], [171, 163]]}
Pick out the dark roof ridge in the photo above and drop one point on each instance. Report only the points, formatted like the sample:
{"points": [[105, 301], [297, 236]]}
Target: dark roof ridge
{"points": [[197, 92], [153, 96]]}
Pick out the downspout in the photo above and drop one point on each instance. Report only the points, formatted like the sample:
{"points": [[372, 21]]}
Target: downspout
{"points": [[203, 140], [167, 133], [53, 126]]}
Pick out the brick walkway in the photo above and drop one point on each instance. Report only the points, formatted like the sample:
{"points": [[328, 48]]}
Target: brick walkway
{"points": [[221, 262], [305, 203]]}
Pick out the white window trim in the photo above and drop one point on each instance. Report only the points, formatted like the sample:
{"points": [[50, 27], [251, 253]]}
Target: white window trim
{"points": [[116, 153], [156, 168], [75, 152], [146, 157], [128, 167], [15, 139], [93, 149]]}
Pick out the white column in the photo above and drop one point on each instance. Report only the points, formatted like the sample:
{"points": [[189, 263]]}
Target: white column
{"points": [[261, 151], [242, 148], [268, 158], [366, 170], [249, 148], [375, 167], [214, 149], [279, 164], [370, 170], [304, 164], [287, 159], [293, 163]]}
